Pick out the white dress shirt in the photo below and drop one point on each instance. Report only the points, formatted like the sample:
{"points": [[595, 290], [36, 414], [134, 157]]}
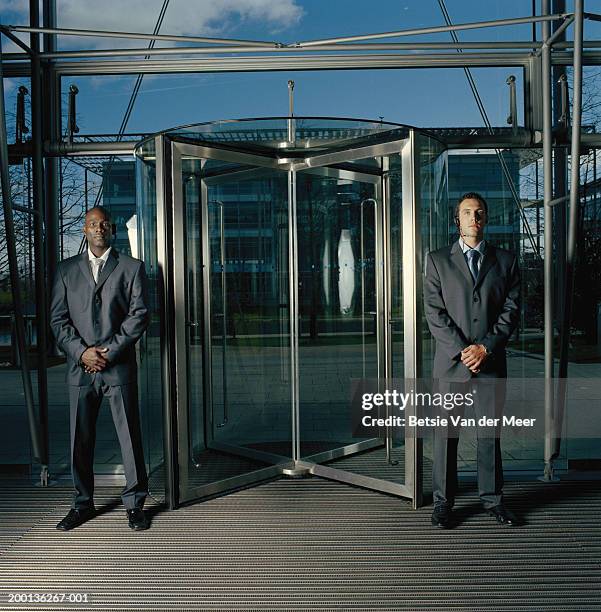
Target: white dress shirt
{"points": [[480, 247], [97, 263]]}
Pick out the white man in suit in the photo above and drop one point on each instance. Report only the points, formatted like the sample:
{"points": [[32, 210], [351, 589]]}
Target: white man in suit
{"points": [[472, 306], [98, 313]]}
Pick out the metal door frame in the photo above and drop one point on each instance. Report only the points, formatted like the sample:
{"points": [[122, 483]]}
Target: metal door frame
{"points": [[178, 286], [171, 220], [412, 488]]}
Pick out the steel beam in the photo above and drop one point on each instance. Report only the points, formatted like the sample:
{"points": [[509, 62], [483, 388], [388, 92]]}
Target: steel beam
{"points": [[218, 51], [560, 189], [4, 30], [51, 123], [570, 262], [41, 292], [523, 139], [289, 62], [548, 245], [74, 149], [301, 62], [12, 70], [427, 46]]}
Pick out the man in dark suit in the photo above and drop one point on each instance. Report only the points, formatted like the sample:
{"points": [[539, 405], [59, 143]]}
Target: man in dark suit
{"points": [[472, 305], [98, 313]]}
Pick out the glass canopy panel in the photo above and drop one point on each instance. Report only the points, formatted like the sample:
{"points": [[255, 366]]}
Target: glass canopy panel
{"points": [[310, 134]]}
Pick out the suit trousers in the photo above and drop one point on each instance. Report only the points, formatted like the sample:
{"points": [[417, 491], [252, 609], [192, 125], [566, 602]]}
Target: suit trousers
{"points": [[85, 405], [489, 399]]}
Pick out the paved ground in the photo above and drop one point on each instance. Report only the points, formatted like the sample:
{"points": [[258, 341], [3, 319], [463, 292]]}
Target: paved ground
{"points": [[306, 545]]}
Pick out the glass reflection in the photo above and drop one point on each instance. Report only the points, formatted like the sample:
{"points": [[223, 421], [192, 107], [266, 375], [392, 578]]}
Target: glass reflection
{"points": [[337, 302]]}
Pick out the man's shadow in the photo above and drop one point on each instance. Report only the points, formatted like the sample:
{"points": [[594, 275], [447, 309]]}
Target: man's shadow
{"points": [[526, 498]]}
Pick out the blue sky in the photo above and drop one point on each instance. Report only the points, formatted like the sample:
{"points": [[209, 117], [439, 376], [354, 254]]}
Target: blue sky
{"points": [[427, 98]]}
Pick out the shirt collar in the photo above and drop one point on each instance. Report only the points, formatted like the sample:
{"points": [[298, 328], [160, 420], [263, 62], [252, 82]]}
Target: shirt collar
{"points": [[480, 247], [104, 256]]}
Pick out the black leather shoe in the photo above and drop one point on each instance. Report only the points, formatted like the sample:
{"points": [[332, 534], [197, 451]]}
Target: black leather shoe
{"points": [[503, 516], [75, 518], [137, 519], [442, 517]]}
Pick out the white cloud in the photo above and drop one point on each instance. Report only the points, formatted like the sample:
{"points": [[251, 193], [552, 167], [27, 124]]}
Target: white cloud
{"points": [[214, 18], [9, 85], [15, 6], [14, 12]]}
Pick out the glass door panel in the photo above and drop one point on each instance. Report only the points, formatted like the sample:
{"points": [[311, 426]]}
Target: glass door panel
{"points": [[151, 398], [345, 231], [249, 322], [232, 329], [396, 267], [381, 463], [337, 307]]}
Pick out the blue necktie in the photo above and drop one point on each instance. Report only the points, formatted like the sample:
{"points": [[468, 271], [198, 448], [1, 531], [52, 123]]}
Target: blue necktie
{"points": [[472, 259]]}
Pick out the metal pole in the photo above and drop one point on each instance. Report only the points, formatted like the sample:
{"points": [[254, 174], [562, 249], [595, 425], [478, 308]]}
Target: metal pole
{"points": [[87, 53], [564, 99], [51, 120], [37, 444], [291, 61], [536, 196], [291, 122], [217, 51], [72, 113], [294, 314], [560, 32], [16, 40], [573, 224], [512, 118], [222, 257], [560, 182], [561, 112], [265, 63], [138, 35], [29, 231], [37, 167], [548, 246], [436, 29]]}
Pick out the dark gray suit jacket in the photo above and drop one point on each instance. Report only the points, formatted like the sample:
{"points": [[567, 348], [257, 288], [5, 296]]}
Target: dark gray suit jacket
{"points": [[460, 313], [112, 313]]}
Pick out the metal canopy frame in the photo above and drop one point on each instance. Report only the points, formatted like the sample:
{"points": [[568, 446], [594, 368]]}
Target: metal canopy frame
{"points": [[172, 221], [46, 69]]}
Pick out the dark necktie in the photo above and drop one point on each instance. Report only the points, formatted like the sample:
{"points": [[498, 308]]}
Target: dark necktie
{"points": [[473, 257]]}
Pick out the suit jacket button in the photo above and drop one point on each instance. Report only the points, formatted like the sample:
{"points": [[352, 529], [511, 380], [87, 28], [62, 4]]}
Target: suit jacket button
{"points": [[476, 299]]}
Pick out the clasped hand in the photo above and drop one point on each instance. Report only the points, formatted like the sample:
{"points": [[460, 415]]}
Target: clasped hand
{"points": [[94, 359], [473, 356]]}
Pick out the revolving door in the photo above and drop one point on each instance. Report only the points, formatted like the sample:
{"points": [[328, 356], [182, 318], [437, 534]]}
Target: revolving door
{"points": [[287, 264]]}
